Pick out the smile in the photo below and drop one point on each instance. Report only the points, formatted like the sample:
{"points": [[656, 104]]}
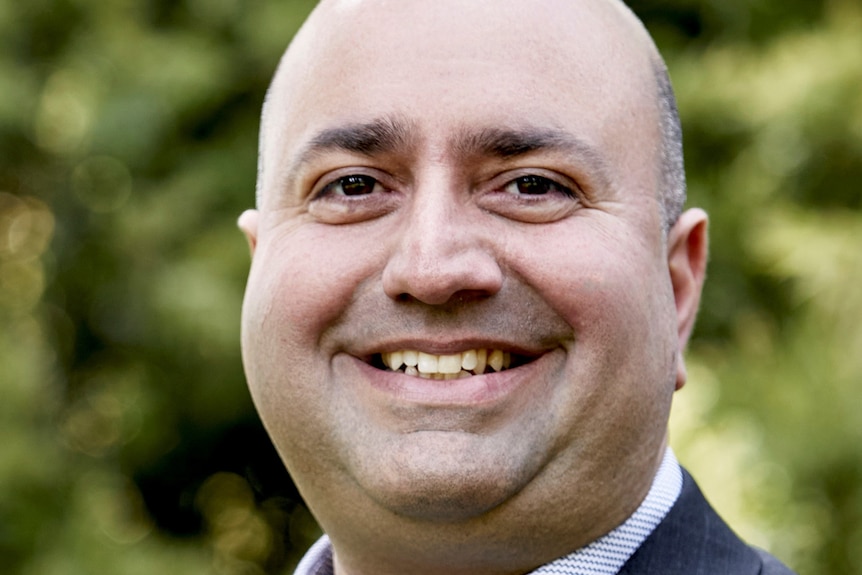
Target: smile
{"points": [[450, 366]]}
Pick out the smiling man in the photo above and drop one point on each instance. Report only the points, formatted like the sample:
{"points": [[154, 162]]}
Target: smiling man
{"points": [[471, 287]]}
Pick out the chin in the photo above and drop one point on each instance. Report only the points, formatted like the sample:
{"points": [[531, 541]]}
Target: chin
{"points": [[445, 485], [445, 499]]}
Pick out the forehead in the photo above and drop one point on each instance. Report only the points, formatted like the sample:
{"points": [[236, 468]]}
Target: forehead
{"points": [[446, 66]]}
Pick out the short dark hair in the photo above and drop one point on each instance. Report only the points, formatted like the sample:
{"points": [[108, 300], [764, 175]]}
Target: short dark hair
{"points": [[672, 182]]}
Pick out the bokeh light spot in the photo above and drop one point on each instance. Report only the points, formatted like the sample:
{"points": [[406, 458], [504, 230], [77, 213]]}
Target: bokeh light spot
{"points": [[102, 183]]}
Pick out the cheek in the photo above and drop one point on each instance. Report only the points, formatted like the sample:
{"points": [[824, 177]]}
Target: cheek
{"points": [[618, 300], [621, 363], [302, 281], [299, 285], [592, 287]]}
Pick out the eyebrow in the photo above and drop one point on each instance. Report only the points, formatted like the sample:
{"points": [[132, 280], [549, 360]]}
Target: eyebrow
{"points": [[506, 143], [371, 138], [387, 135]]}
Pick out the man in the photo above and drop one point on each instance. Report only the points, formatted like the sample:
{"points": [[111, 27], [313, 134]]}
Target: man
{"points": [[471, 287]]}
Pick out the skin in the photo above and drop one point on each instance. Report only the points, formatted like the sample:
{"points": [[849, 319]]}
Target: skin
{"points": [[445, 104]]}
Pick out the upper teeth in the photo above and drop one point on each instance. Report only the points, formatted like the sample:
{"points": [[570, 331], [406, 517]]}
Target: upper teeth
{"points": [[464, 364]]}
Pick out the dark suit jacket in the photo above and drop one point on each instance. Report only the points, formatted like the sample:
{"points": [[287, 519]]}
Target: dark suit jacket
{"points": [[693, 540]]}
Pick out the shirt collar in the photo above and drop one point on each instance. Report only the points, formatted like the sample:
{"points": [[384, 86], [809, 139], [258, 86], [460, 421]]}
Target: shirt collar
{"points": [[604, 556]]}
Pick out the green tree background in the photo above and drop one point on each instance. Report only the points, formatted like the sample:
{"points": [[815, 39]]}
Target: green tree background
{"points": [[128, 128]]}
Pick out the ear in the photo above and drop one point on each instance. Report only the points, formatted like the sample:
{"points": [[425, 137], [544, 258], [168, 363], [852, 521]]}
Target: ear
{"points": [[687, 256], [248, 224]]}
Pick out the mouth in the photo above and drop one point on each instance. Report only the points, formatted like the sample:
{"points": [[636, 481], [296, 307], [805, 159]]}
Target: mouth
{"points": [[467, 363]]}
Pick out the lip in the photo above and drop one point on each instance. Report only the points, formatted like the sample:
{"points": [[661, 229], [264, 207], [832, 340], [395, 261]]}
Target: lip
{"points": [[475, 391]]}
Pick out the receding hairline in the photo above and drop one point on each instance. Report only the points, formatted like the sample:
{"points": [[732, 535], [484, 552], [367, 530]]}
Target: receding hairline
{"points": [[672, 188]]}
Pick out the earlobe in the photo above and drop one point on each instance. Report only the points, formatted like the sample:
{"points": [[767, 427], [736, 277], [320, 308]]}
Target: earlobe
{"points": [[687, 257], [248, 224]]}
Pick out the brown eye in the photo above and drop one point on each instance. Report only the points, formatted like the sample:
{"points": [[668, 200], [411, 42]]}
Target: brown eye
{"points": [[536, 186], [355, 185], [351, 198]]}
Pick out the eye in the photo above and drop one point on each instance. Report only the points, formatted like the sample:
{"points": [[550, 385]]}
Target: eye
{"points": [[353, 185], [352, 198], [531, 197], [532, 185]]}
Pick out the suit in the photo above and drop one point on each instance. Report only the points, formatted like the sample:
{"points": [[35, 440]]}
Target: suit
{"points": [[693, 540]]}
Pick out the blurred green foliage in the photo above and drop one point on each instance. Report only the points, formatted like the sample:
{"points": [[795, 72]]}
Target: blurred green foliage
{"points": [[128, 136]]}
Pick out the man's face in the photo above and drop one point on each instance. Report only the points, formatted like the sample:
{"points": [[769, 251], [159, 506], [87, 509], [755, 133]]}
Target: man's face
{"points": [[446, 181]]}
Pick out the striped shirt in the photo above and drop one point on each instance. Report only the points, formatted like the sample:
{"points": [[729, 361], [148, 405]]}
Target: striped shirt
{"points": [[604, 556]]}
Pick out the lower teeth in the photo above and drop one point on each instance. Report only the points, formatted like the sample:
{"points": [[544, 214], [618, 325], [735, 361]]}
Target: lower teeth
{"points": [[410, 370]]}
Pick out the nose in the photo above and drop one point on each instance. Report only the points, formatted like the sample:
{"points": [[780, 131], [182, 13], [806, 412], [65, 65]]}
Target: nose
{"points": [[443, 251]]}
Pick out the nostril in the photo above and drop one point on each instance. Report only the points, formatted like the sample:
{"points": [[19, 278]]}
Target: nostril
{"points": [[457, 298], [435, 275]]}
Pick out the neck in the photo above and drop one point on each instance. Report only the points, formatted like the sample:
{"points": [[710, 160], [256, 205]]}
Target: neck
{"points": [[515, 538]]}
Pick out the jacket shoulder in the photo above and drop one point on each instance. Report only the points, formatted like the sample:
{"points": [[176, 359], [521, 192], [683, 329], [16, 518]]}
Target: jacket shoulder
{"points": [[693, 540]]}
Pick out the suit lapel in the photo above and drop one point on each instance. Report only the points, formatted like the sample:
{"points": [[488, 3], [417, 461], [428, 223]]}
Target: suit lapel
{"points": [[692, 540]]}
